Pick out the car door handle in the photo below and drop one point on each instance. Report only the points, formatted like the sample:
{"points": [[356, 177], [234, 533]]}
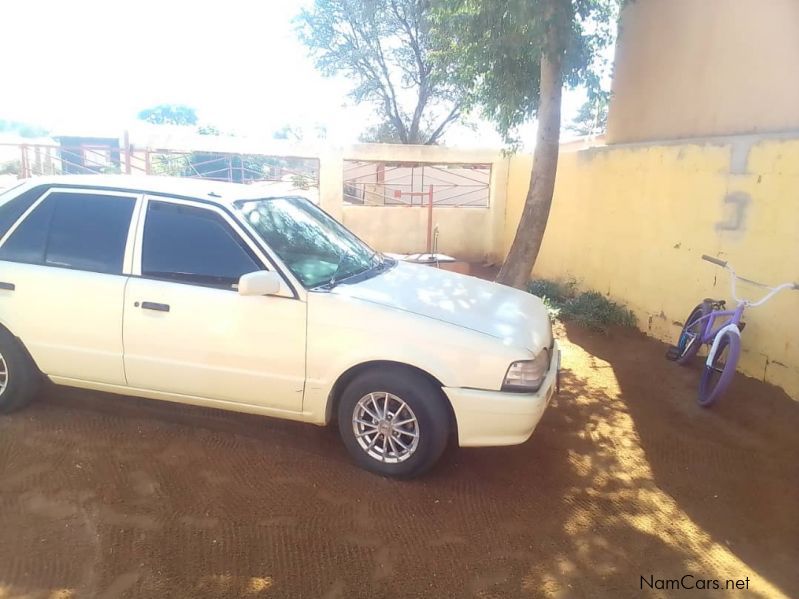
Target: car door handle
{"points": [[155, 306], [7, 286]]}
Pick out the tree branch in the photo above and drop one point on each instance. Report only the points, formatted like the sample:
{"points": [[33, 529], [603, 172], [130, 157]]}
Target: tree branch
{"points": [[454, 114], [423, 94], [386, 88]]}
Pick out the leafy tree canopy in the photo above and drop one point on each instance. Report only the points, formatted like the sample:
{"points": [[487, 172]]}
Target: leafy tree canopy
{"points": [[511, 59], [386, 48], [169, 114], [21, 129], [493, 50], [300, 133], [592, 118]]}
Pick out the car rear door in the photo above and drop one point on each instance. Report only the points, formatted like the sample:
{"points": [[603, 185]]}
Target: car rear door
{"points": [[62, 281], [186, 329]]}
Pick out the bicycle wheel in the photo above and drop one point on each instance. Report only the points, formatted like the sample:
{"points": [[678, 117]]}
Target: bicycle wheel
{"points": [[718, 376], [689, 340]]}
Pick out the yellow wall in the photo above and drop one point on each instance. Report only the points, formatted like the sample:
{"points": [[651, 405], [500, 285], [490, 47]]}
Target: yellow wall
{"points": [[469, 233], [463, 232], [689, 68], [633, 221]]}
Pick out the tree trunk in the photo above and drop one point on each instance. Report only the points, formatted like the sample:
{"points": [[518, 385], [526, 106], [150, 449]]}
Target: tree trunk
{"points": [[518, 266]]}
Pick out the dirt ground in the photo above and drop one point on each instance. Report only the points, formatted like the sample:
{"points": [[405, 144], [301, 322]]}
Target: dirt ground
{"points": [[106, 496]]}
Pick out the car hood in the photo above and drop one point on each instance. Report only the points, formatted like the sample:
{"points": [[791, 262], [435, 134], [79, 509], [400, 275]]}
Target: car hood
{"points": [[515, 317]]}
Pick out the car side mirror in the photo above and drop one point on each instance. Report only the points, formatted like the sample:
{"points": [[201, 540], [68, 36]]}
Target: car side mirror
{"points": [[260, 282]]}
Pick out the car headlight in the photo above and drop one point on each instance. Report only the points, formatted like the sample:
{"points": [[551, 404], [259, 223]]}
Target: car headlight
{"points": [[527, 375]]}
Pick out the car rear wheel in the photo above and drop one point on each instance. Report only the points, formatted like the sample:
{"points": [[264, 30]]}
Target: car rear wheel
{"points": [[19, 379], [394, 422]]}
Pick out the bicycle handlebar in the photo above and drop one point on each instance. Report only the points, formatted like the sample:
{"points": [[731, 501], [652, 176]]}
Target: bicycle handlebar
{"points": [[734, 277], [721, 263]]}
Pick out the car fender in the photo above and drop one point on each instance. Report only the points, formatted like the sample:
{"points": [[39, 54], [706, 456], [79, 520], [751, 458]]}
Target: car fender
{"points": [[344, 333]]}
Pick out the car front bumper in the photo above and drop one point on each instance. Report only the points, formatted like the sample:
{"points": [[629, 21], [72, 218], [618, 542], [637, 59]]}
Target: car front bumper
{"points": [[491, 418]]}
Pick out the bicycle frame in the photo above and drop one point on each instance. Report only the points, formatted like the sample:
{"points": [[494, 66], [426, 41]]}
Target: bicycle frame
{"points": [[708, 333], [730, 325], [721, 329], [733, 317]]}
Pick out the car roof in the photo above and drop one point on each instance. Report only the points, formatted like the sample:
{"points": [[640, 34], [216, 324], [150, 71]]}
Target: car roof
{"points": [[216, 191]]}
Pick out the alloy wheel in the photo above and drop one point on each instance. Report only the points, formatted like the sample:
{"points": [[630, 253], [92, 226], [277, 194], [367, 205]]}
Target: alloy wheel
{"points": [[385, 427]]}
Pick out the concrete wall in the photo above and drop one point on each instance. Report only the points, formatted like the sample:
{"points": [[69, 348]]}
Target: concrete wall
{"points": [[475, 234], [689, 68], [632, 222]]}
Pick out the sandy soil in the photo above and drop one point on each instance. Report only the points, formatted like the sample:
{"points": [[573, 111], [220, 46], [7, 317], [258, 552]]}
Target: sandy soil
{"points": [[106, 496]]}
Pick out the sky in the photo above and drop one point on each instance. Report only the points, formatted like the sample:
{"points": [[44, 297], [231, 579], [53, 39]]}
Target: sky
{"points": [[89, 66]]}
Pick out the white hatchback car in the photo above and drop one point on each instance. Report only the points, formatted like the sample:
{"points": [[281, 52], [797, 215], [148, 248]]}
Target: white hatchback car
{"points": [[223, 295]]}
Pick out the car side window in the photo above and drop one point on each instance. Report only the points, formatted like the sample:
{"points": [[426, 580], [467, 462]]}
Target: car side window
{"points": [[73, 230], [193, 245], [15, 207]]}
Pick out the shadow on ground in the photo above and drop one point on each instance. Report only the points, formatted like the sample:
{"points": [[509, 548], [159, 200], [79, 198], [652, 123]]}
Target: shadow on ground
{"points": [[112, 496]]}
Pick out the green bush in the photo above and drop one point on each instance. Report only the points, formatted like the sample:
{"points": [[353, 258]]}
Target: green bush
{"points": [[590, 309], [10, 168], [593, 310], [552, 290]]}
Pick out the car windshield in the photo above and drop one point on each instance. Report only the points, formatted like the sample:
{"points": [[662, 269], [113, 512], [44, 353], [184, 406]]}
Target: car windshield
{"points": [[317, 249]]}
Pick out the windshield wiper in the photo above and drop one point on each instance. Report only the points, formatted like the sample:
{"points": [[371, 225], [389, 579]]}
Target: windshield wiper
{"points": [[381, 264], [334, 279]]}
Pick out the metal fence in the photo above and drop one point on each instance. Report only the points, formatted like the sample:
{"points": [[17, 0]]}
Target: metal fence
{"points": [[374, 183], [27, 160]]}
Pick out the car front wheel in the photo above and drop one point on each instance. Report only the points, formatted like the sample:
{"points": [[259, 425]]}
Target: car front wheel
{"points": [[394, 422]]}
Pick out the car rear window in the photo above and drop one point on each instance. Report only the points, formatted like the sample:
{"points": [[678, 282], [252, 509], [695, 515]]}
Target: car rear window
{"points": [[73, 230], [11, 210]]}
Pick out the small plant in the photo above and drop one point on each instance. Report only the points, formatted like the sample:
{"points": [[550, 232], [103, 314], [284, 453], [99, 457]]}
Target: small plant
{"points": [[545, 288], [301, 181], [593, 310], [10, 168], [590, 309]]}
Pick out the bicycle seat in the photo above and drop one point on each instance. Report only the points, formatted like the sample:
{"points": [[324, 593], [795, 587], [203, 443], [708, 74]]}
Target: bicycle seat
{"points": [[715, 301]]}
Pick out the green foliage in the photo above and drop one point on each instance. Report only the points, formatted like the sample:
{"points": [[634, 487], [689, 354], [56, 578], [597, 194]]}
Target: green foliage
{"points": [[169, 114], [21, 129], [208, 130], [382, 133], [301, 181], [593, 310], [173, 165], [299, 133], [492, 50], [590, 309], [385, 47], [592, 118], [11, 167], [555, 291]]}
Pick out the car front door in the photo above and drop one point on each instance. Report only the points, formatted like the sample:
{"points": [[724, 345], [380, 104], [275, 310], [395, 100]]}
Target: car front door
{"points": [[61, 269], [186, 329]]}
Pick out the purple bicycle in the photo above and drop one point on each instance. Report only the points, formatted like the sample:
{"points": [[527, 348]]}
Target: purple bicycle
{"points": [[724, 340]]}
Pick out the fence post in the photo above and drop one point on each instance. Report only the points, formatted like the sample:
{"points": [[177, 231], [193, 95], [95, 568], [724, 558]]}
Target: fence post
{"points": [[24, 162], [331, 182], [430, 220], [126, 142]]}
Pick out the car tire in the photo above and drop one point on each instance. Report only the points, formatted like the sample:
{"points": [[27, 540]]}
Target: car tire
{"points": [[394, 422], [19, 379]]}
